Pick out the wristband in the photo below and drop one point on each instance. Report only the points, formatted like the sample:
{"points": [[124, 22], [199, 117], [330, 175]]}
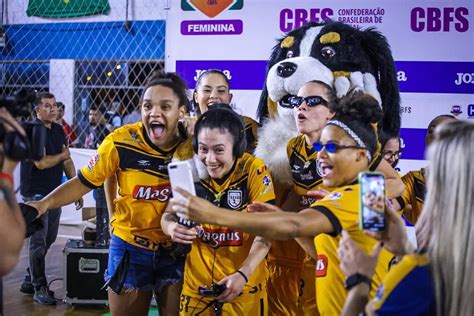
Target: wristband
{"points": [[6, 176], [243, 275], [355, 279]]}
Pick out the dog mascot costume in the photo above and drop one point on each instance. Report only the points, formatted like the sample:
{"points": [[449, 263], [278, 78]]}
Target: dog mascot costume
{"points": [[343, 57]]}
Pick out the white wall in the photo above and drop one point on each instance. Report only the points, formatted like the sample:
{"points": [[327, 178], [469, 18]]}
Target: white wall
{"points": [[137, 10]]}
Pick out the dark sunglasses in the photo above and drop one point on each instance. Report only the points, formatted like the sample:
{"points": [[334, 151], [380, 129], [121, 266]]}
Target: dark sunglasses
{"points": [[312, 101], [331, 147]]}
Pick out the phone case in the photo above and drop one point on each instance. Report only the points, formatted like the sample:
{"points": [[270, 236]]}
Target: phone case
{"points": [[181, 175], [372, 201]]}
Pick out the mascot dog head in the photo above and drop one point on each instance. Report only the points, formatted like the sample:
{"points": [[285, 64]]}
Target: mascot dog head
{"points": [[339, 55]]}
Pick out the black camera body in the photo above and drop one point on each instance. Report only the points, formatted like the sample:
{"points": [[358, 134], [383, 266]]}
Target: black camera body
{"points": [[214, 291], [16, 146]]}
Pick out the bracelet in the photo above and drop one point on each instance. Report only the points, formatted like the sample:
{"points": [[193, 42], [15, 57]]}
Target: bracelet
{"points": [[355, 279], [6, 176], [243, 275]]}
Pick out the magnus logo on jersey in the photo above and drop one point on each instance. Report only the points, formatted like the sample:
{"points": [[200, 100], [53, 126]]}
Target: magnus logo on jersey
{"points": [[220, 237], [157, 192], [234, 198], [321, 266]]}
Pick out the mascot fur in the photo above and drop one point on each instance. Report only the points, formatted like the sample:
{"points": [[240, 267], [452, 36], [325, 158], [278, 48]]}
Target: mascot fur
{"points": [[337, 54]]}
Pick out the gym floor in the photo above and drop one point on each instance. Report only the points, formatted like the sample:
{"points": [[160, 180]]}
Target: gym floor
{"points": [[17, 303]]}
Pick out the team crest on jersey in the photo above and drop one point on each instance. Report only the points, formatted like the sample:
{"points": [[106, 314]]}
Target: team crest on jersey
{"points": [[321, 266], [234, 198], [92, 161], [266, 181], [335, 196]]}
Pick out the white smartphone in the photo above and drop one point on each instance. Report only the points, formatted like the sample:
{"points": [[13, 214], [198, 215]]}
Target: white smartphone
{"points": [[372, 201], [181, 175]]}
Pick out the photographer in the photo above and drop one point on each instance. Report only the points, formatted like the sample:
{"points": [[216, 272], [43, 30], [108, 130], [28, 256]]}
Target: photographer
{"points": [[12, 225], [39, 178]]}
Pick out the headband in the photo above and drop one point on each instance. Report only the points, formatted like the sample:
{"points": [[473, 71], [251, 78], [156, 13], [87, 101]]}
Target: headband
{"points": [[352, 134]]}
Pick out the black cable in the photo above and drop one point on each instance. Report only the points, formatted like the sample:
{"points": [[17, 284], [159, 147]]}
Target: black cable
{"points": [[49, 284]]}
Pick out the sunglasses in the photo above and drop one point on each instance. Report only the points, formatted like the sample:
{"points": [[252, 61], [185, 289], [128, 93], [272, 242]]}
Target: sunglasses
{"points": [[332, 147], [312, 101]]}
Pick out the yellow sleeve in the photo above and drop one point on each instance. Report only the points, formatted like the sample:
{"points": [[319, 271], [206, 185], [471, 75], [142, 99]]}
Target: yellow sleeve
{"points": [[260, 182], [101, 165], [409, 182], [341, 208]]}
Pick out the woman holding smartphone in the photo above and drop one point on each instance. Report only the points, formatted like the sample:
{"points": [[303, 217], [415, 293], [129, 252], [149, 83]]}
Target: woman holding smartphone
{"points": [[222, 255], [347, 146], [435, 280], [140, 261]]}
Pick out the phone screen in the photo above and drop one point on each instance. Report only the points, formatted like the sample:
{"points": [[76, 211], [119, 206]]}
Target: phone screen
{"points": [[372, 201], [181, 175]]}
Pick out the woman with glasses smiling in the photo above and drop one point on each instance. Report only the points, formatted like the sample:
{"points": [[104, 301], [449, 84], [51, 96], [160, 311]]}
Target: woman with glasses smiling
{"points": [[347, 146]]}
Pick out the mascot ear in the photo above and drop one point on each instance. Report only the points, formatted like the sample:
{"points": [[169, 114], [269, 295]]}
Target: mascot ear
{"points": [[383, 67]]}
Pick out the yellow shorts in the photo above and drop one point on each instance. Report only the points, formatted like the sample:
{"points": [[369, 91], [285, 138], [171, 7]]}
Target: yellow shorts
{"points": [[203, 306], [291, 289]]}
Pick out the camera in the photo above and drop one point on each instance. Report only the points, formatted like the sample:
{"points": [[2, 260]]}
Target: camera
{"points": [[215, 290], [15, 145]]}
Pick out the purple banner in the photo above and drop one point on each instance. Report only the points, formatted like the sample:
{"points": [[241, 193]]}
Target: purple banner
{"points": [[436, 77], [242, 74], [212, 27], [413, 76], [414, 141]]}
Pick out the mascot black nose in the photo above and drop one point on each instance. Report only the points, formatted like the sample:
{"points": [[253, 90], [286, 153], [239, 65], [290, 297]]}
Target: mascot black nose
{"points": [[286, 69]]}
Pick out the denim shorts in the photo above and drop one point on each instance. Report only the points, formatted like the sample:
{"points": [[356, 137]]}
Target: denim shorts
{"points": [[146, 269]]}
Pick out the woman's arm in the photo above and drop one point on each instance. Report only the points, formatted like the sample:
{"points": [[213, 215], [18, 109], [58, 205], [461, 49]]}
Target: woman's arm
{"points": [[66, 193], [395, 186], [110, 190], [273, 225], [178, 233], [235, 282]]}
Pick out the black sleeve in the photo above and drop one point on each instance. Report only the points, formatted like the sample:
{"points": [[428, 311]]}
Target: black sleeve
{"points": [[375, 163], [332, 218], [86, 182], [401, 202]]}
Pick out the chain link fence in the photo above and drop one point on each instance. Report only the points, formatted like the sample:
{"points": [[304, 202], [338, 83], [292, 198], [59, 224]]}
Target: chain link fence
{"points": [[100, 61]]}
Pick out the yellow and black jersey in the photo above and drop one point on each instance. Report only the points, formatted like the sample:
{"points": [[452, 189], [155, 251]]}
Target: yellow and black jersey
{"points": [[220, 251], [341, 207], [142, 175], [414, 194], [303, 164], [251, 132], [408, 289]]}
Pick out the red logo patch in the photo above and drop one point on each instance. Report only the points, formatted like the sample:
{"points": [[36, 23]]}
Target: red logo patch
{"points": [[219, 237], [157, 192], [92, 161], [321, 266]]}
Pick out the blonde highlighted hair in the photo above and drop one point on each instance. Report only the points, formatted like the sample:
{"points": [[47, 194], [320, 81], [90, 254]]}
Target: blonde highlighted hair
{"points": [[446, 226]]}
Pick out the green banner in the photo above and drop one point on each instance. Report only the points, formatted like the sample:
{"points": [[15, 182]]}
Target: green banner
{"points": [[66, 8]]}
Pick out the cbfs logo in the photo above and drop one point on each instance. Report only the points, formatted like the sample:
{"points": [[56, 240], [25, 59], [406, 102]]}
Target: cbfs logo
{"points": [[212, 8], [439, 19]]}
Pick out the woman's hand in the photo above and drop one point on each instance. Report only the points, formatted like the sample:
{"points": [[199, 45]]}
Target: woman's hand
{"points": [[318, 193], [234, 285], [355, 260], [394, 236], [192, 207], [188, 123], [182, 234], [40, 205]]}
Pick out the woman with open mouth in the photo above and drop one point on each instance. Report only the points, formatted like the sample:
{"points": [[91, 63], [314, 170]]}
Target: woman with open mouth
{"points": [[140, 254], [347, 146], [225, 267]]}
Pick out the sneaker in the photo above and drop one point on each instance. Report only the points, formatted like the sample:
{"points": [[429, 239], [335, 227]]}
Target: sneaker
{"points": [[43, 296], [27, 288]]}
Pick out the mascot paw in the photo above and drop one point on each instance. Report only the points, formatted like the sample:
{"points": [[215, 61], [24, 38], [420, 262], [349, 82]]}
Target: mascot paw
{"points": [[342, 86], [370, 85]]}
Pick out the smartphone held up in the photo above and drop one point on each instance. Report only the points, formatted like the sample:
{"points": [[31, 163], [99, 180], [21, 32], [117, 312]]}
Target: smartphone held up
{"points": [[372, 201]]}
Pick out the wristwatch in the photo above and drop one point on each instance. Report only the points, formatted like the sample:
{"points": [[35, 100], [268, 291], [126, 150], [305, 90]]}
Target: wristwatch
{"points": [[355, 279]]}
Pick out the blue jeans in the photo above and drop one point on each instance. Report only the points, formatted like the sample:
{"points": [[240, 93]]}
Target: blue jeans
{"points": [[40, 242], [147, 269]]}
